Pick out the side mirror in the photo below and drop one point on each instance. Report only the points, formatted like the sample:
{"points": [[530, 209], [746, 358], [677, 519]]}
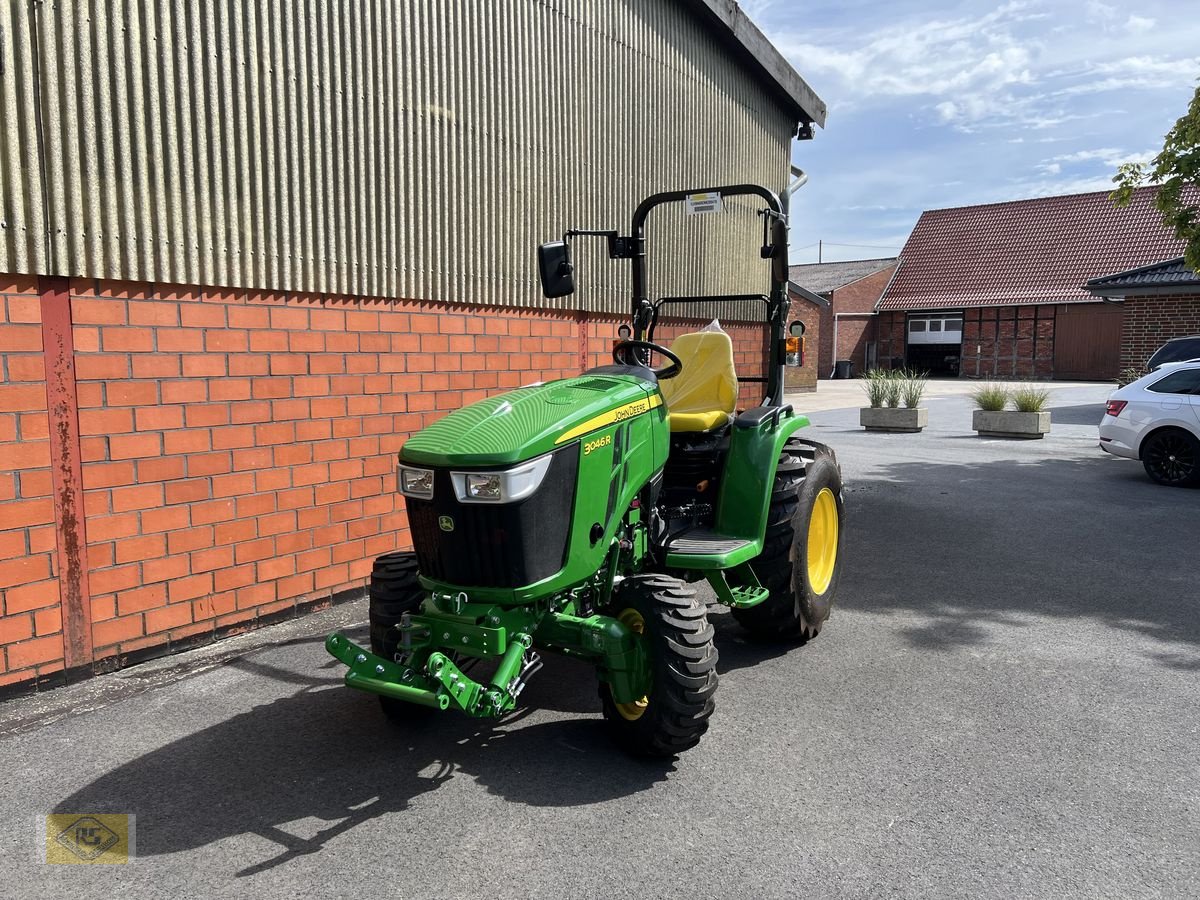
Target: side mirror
{"points": [[796, 329], [555, 270], [779, 256]]}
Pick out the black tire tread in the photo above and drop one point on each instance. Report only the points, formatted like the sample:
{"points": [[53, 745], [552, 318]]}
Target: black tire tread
{"points": [[685, 668], [777, 617], [394, 590]]}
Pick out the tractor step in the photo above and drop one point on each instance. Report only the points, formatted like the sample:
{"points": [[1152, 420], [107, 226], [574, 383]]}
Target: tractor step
{"points": [[703, 548], [745, 597], [745, 592]]}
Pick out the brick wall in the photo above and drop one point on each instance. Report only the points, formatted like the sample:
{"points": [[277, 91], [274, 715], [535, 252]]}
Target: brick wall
{"points": [[238, 449], [31, 621], [826, 357], [804, 378], [1008, 342], [855, 331], [862, 295], [890, 339], [1002, 342], [853, 334], [1152, 321]]}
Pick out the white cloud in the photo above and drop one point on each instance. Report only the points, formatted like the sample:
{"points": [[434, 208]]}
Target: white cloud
{"points": [[1137, 72], [1109, 157], [1048, 187], [1101, 14], [941, 57], [952, 104], [1019, 64]]}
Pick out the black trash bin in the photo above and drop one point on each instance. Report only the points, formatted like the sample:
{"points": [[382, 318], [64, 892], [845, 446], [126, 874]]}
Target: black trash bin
{"points": [[844, 368]]}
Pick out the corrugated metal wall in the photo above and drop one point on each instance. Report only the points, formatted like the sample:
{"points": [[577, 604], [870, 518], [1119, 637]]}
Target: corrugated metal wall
{"points": [[385, 148]]}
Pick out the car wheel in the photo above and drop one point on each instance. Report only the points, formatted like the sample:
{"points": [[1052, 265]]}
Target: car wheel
{"points": [[1172, 457]]}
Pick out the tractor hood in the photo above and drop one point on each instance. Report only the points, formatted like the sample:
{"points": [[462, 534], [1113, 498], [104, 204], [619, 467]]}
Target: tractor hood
{"points": [[530, 421]]}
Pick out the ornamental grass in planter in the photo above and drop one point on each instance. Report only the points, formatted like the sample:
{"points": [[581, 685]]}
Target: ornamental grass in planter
{"points": [[886, 390], [1028, 419]]}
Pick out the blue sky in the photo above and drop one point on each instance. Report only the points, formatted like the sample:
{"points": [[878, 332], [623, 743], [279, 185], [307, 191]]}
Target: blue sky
{"points": [[939, 104]]}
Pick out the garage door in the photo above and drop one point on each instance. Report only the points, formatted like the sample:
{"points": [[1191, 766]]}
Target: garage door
{"points": [[934, 342], [1087, 341]]}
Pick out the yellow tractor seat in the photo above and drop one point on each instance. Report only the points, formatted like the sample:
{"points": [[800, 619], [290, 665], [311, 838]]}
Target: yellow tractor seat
{"points": [[704, 394]]}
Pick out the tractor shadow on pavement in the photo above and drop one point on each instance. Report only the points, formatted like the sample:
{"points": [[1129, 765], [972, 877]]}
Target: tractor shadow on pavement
{"points": [[314, 763]]}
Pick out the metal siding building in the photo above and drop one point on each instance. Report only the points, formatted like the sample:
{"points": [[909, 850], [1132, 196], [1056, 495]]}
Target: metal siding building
{"points": [[248, 247], [381, 148]]}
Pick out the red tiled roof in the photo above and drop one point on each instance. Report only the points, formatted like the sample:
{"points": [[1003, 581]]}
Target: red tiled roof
{"points": [[1026, 251]]}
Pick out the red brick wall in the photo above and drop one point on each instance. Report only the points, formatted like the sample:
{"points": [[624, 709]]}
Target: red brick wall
{"points": [[862, 295], [1152, 321], [804, 378], [826, 358], [890, 337], [853, 334], [855, 331], [1008, 342], [238, 449], [998, 342], [31, 642]]}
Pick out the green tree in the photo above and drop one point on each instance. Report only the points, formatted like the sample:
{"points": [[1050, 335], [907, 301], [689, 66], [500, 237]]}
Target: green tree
{"points": [[1176, 170]]}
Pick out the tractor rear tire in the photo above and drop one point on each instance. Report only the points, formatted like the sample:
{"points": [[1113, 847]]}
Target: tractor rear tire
{"points": [[801, 561], [674, 714], [394, 591]]}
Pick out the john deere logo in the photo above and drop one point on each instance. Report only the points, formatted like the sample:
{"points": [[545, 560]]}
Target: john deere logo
{"points": [[445, 523]]}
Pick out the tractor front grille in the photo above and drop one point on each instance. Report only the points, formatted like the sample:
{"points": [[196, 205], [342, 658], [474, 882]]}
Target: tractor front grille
{"points": [[496, 545]]}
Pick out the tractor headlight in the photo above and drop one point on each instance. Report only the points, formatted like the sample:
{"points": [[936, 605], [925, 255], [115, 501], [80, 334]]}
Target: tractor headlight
{"points": [[507, 486], [484, 487], [416, 482]]}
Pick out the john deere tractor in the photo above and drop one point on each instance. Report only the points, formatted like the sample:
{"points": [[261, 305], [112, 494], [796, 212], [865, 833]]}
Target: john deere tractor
{"points": [[573, 516]]}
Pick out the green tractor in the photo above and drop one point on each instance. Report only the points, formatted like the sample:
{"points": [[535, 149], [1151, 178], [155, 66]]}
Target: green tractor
{"points": [[573, 516]]}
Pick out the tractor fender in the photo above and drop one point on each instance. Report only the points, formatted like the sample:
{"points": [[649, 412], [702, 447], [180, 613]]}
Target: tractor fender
{"points": [[756, 440]]}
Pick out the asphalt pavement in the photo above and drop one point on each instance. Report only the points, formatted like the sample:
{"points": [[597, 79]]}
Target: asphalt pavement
{"points": [[1002, 705]]}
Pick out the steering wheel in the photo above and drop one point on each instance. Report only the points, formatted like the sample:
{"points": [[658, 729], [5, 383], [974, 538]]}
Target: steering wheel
{"points": [[623, 355]]}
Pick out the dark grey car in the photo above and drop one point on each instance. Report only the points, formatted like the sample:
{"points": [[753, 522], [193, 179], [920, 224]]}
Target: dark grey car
{"points": [[1175, 350]]}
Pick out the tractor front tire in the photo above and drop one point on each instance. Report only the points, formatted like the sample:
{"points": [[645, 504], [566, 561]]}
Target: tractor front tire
{"points": [[674, 714], [801, 561], [394, 591]]}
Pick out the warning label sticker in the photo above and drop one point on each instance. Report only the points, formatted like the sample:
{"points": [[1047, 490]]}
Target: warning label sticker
{"points": [[702, 204]]}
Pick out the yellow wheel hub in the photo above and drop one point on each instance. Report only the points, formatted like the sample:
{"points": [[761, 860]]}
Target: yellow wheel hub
{"points": [[632, 619], [822, 541]]}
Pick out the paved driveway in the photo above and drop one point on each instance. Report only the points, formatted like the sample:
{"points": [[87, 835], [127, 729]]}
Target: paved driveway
{"points": [[1004, 705]]}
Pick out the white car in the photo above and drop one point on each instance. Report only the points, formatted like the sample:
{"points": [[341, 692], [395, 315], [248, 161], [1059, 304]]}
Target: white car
{"points": [[1157, 419]]}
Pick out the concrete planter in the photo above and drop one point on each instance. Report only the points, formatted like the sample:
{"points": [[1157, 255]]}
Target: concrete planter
{"points": [[900, 419], [1011, 424]]}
